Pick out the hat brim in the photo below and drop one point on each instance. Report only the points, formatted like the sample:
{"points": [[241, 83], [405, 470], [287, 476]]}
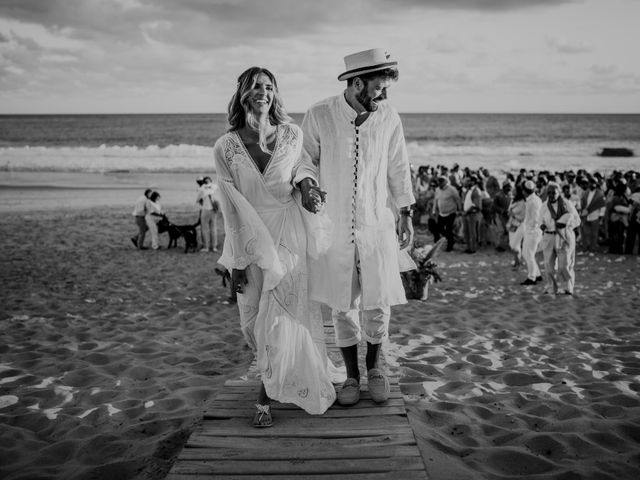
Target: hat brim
{"points": [[361, 71]]}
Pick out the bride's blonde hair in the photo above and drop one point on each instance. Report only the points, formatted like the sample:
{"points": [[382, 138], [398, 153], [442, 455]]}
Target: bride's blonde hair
{"points": [[240, 113]]}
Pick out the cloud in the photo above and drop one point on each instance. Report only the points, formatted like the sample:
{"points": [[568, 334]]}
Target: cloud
{"points": [[483, 5], [194, 23], [563, 45], [443, 44], [603, 69]]}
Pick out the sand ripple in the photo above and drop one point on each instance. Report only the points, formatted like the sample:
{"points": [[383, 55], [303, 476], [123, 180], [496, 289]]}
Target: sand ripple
{"points": [[504, 382]]}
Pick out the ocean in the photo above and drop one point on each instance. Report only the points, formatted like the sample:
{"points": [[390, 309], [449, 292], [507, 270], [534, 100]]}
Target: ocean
{"points": [[183, 142]]}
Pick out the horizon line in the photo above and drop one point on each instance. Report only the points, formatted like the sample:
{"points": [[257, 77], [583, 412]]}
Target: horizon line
{"points": [[302, 113]]}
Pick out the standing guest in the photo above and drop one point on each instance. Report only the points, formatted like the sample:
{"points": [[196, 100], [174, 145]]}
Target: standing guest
{"points": [[472, 214], [633, 230], [558, 219], [139, 213], [515, 225], [618, 218], [532, 233], [486, 214], [501, 203], [266, 248], [574, 187], [455, 177], [492, 184], [154, 214], [199, 182], [354, 147], [574, 199], [592, 208], [446, 205], [207, 199], [421, 191], [569, 196]]}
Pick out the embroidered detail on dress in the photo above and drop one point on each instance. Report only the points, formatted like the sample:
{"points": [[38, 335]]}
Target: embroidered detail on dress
{"points": [[304, 393]]}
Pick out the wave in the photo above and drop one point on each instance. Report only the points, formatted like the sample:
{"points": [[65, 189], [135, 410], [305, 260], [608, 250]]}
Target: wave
{"points": [[172, 158], [197, 158]]}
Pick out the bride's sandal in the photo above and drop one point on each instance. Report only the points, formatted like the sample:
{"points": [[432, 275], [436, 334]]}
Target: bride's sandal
{"points": [[262, 417]]}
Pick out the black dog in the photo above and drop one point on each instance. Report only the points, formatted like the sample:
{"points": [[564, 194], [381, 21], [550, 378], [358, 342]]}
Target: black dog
{"points": [[188, 232], [226, 279]]}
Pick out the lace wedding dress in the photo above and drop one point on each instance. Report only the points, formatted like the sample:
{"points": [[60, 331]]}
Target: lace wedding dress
{"points": [[267, 227]]}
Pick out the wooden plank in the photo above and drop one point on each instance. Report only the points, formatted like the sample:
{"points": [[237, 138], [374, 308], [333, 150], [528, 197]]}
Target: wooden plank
{"points": [[300, 467], [281, 442], [325, 433], [367, 441], [406, 475], [314, 422], [247, 411], [249, 403], [238, 394], [327, 452]]}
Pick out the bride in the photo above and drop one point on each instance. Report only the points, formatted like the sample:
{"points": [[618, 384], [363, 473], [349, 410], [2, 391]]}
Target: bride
{"points": [[268, 237]]}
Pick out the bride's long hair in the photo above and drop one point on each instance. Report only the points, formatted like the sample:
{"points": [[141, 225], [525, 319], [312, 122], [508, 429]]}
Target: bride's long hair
{"points": [[240, 113]]}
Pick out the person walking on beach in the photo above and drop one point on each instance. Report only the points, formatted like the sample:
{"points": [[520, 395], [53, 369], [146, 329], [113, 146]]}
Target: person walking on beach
{"points": [[266, 248], [532, 233], [446, 206], [153, 216], [139, 214], [558, 218], [207, 199], [354, 148]]}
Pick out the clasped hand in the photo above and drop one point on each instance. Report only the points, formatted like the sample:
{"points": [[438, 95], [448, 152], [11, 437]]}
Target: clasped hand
{"points": [[238, 280], [313, 197]]}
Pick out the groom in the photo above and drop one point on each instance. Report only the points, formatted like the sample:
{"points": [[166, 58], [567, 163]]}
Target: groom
{"points": [[354, 148]]}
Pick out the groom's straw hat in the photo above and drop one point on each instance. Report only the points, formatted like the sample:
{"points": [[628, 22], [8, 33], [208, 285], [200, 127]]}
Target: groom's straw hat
{"points": [[366, 61]]}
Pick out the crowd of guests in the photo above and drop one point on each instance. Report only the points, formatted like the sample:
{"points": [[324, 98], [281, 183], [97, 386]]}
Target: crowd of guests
{"points": [[148, 215], [474, 207]]}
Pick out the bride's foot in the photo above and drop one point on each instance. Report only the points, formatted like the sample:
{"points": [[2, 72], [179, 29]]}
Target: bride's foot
{"points": [[262, 417]]}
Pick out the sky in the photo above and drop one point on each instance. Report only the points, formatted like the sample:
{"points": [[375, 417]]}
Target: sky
{"points": [[184, 56]]}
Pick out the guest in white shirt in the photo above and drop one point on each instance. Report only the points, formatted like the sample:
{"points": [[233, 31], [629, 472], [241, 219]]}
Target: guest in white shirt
{"points": [[532, 233], [209, 205], [154, 214], [558, 219], [139, 213]]}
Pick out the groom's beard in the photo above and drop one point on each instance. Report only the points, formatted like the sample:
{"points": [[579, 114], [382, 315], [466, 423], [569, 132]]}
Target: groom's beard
{"points": [[367, 102]]}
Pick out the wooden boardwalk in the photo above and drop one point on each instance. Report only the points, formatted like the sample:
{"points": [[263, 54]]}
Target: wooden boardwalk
{"points": [[365, 441]]}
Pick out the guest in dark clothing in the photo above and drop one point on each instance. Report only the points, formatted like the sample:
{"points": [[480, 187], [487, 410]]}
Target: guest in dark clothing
{"points": [[633, 230], [592, 205], [618, 218], [501, 203]]}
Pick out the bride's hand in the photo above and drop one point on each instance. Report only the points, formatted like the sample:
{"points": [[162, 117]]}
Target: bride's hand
{"points": [[238, 280], [313, 197]]}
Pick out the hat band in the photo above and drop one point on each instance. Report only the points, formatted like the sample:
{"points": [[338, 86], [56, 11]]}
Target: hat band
{"points": [[369, 68]]}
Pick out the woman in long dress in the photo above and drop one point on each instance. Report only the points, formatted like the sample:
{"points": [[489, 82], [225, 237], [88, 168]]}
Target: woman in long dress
{"points": [[268, 238]]}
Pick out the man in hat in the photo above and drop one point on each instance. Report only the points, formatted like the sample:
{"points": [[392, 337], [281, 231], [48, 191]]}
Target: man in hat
{"points": [[532, 232], [354, 149], [558, 219]]}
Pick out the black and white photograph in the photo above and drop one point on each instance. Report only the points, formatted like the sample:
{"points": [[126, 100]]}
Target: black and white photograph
{"points": [[296, 239]]}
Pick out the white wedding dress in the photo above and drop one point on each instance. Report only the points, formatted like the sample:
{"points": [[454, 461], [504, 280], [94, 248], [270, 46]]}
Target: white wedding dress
{"points": [[266, 227]]}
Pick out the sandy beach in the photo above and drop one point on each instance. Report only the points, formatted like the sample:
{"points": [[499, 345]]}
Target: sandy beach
{"points": [[109, 355]]}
